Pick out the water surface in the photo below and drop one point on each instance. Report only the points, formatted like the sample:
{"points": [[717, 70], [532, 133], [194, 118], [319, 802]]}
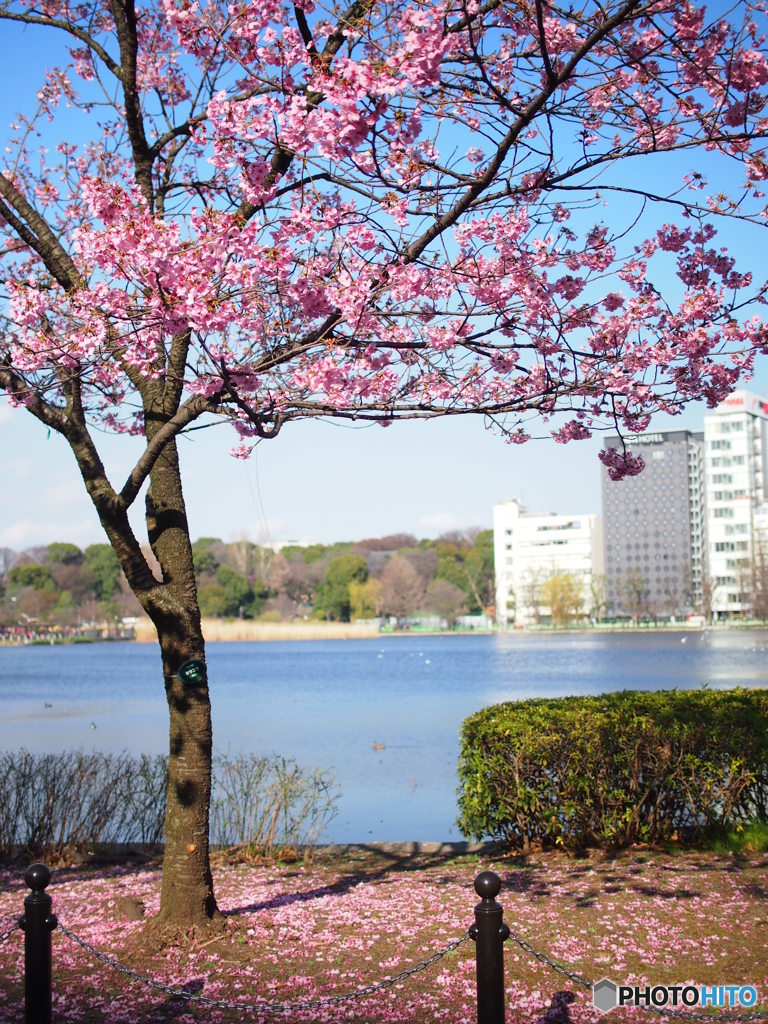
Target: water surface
{"points": [[336, 703]]}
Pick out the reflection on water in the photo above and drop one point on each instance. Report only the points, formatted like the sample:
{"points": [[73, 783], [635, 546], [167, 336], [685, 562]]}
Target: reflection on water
{"points": [[385, 713]]}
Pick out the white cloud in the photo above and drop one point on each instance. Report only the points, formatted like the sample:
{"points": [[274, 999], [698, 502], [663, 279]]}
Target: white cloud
{"points": [[444, 522], [42, 510], [66, 492], [7, 414], [31, 533], [20, 468]]}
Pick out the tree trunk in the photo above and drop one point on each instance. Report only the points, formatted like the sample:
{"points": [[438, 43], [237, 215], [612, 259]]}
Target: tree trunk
{"points": [[172, 605], [187, 887]]}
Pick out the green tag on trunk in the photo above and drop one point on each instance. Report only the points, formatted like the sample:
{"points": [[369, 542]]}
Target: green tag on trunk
{"points": [[192, 673]]}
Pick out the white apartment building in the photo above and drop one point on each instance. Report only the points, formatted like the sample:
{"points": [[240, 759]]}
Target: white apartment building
{"points": [[736, 439], [530, 547]]}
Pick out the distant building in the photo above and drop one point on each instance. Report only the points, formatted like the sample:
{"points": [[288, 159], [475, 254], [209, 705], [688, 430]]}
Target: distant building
{"points": [[531, 547], [654, 528], [736, 435]]}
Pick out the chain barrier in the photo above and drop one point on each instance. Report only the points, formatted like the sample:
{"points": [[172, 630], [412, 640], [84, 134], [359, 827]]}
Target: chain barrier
{"points": [[487, 886], [544, 959], [661, 1011], [264, 1006]]}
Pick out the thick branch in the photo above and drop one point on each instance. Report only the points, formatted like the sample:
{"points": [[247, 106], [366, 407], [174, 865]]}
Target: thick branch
{"points": [[306, 34], [10, 381], [124, 14], [112, 511], [551, 76], [190, 411], [34, 230], [177, 363]]}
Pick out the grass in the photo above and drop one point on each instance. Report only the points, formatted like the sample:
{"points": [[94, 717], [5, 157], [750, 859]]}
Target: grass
{"points": [[749, 840], [295, 931]]}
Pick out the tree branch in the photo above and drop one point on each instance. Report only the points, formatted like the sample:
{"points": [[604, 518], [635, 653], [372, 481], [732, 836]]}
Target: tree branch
{"points": [[51, 415], [35, 231], [306, 35], [551, 76], [73, 30], [124, 13], [192, 409], [489, 175]]}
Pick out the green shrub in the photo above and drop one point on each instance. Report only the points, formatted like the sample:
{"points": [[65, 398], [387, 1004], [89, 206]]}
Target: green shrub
{"points": [[615, 769]]}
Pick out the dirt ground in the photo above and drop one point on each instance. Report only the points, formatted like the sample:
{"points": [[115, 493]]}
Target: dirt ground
{"points": [[293, 938]]}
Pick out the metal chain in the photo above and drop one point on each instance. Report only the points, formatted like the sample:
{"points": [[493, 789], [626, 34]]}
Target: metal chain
{"points": [[11, 930], [543, 958], [262, 1007], [660, 1010]]}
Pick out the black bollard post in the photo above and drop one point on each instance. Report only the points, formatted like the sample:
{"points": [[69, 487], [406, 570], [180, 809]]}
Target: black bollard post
{"points": [[489, 933], [38, 922]]}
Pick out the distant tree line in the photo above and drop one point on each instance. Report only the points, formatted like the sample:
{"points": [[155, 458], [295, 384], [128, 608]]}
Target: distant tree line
{"points": [[62, 584], [395, 576]]}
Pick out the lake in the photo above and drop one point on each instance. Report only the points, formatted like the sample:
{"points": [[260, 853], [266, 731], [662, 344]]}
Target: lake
{"points": [[327, 703]]}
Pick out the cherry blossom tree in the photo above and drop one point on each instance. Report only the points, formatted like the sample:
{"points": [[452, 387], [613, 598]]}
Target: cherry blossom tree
{"points": [[367, 210]]}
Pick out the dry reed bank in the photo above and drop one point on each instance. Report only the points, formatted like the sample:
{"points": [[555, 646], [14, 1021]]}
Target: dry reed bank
{"points": [[245, 629]]}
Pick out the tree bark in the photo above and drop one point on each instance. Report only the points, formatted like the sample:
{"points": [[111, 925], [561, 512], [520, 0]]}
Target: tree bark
{"points": [[187, 887], [171, 603]]}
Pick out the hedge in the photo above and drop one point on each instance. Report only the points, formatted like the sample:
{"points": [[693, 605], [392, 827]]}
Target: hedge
{"points": [[615, 769]]}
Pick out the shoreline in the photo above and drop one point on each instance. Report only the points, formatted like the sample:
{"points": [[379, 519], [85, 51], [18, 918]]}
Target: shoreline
{"points": [[217, 631], [109, 853], [248, 631]]}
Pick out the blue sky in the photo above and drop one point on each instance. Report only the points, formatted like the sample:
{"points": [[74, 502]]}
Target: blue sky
{"points": [[316, 481]]}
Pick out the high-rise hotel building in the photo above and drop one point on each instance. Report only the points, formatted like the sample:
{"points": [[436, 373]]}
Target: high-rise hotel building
{"points": [[736, 436], [654, 528], [687, 535]]}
